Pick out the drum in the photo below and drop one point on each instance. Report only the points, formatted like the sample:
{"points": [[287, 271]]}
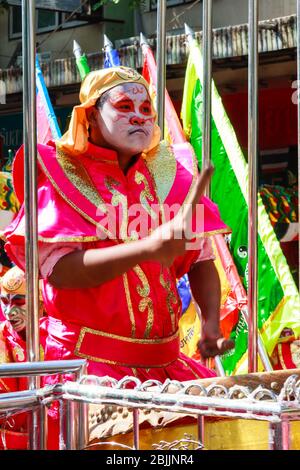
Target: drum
{"points": [[111, 427]]}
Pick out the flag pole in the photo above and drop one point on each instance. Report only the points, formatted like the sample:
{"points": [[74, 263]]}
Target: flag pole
{"points": [[107, 44], [253, 183], [111, 56], [161, 64], [47, 105], [206, 80], [190, 35], [30, 205], [143, 41]]}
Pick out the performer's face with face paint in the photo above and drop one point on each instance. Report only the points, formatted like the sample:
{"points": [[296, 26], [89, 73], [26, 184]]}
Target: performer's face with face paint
{"points": [[14, 310], [126, 118]]}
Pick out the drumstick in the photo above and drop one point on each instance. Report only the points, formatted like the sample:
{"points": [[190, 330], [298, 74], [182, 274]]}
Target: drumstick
{"points": [[196, 193]]}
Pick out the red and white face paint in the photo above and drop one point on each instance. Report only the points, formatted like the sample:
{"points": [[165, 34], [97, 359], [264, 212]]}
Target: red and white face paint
{"points": [[126, 118], [14, 310]]}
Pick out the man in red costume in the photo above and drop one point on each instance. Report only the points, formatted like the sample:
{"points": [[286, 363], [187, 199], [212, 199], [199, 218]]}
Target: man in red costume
{"points": [[13, 434], [109, 253]]}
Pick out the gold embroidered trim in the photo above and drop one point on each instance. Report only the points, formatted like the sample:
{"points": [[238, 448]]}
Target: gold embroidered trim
{"points": [[4, 385], [146, 301], [161, 206], [68, 239], [123, 364], [85, 330], [75, 207], [145, 194], [189, 367], [145, 290], [79, 177], [171, 299], [211, 233], [281, 356], [162, 165], [129, 304], [119, 199]]}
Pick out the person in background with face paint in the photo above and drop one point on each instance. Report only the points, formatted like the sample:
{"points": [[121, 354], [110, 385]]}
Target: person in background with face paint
{"points": [[109, 254], [13, 349], [13, 302]]}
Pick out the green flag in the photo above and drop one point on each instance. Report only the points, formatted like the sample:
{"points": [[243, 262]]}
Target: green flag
{"points": [[278, 296], [83, 66]]}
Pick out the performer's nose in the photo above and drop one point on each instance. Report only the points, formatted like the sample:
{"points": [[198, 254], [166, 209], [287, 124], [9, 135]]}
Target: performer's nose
{"points": [[137, 121]]}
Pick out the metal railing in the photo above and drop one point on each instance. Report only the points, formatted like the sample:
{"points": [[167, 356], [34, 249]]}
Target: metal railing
{"points": [[189, 398], [276, 35], [36, 399]]}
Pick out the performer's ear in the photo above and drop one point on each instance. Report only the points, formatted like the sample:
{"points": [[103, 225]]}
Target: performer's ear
{"points": [[91, 114]]}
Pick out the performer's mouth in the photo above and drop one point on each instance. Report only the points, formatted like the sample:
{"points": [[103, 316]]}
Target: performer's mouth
{"points": [[138, 131], [17, 324]]}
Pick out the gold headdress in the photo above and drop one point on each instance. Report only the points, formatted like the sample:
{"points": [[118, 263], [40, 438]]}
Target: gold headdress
{"points": [[14, 282]]}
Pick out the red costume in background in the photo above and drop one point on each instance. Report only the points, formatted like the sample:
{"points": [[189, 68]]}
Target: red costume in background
{"points": [[13, 430]]}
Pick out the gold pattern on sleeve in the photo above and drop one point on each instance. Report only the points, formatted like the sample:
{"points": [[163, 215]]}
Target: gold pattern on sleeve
{"points": [[146, 302], [119, 199], [171, 299]]}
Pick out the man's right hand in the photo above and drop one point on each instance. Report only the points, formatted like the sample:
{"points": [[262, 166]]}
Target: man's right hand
{"points": [[90, 268], [169, 240]]}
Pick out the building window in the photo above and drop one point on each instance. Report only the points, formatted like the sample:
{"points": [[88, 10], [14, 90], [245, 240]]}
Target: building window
{"points": [[15, 21], [169, 3], [46, 20], [65, 23]]}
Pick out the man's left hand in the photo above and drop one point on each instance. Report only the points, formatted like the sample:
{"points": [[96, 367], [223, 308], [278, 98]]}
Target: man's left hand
{"points": [[214, 346]]}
